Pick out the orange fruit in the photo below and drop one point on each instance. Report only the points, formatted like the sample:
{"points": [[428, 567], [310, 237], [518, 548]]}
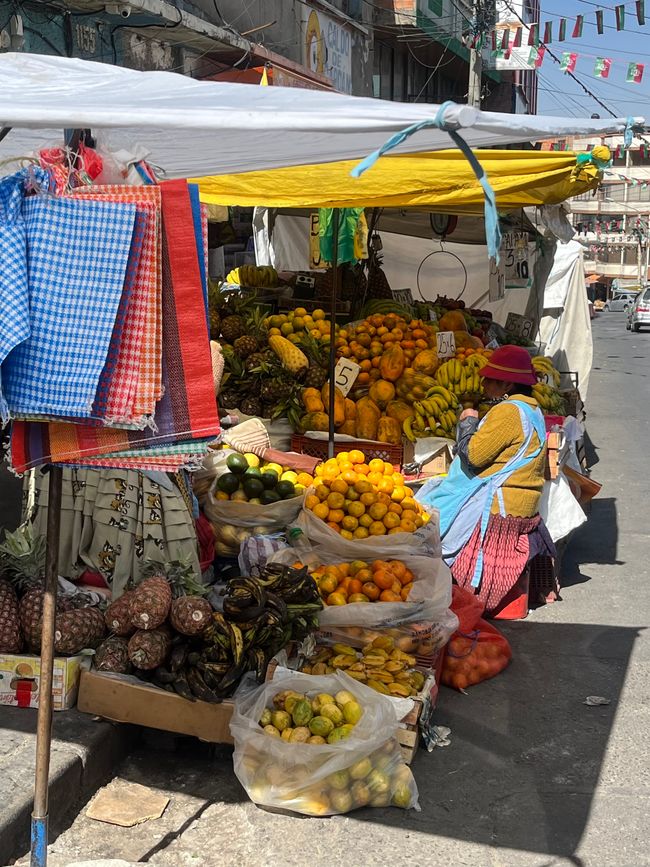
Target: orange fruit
{"points": [[346, 534], [389, 469], [396, 587], [322, 492], [391, 520], [356, 509], [358, 597], [356, 456], [328, 584], [335, 516], [398, 569], [343, 569], [383, 579], [362, 469], [377, 529], [395, 530], [352, 495], [409, 503], [321, 510], [419, 521], [363, 486], [336, 599], [408, 526], [398, 493], [379, 564], [368, 499], [375, 478], [395, 508], [335, 500], [386, 485], [406, 589], [377, 465], [334, 570], [363, 575], [355, 586], [348, 477], [377, 511], [304, 479], [338, 486], [349, 522], [356, 566], [365, 520], [384, 498], [333, 526], [371, 591], [409, 576], [361, 533], [388, 596], [311, 501]]}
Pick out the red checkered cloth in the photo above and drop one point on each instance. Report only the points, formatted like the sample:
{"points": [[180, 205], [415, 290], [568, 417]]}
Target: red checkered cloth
{"points": [[137, 381]]}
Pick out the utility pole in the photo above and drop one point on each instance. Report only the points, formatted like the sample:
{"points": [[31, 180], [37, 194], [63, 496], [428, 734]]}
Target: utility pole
{"points": [[476, 57]]}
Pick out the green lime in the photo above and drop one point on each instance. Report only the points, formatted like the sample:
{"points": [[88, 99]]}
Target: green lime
{"points": [[237, 463], [228, 483], [269, 478]]}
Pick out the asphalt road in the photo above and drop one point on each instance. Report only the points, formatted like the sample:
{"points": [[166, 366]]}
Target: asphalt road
{"points": [[533, 776]]}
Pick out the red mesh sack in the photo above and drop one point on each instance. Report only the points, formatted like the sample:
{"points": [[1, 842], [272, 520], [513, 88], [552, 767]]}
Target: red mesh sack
{"points": [[477, 650]]}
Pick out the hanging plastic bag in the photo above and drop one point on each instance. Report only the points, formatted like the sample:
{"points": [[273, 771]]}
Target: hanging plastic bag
{"points": [[320, 779], [477, 650], [429, 598], [256, 551]]}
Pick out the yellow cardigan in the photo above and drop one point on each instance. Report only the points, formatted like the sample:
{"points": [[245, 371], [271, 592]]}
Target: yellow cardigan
{"points": [[498, 440]]}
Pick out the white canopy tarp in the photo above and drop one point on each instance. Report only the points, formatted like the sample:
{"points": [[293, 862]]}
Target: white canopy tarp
{"points": [[195, 128]]}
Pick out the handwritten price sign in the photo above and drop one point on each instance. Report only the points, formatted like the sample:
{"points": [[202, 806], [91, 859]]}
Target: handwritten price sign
{"points": [[403, 296], [345, 373], [446, 344], [520, 325]]}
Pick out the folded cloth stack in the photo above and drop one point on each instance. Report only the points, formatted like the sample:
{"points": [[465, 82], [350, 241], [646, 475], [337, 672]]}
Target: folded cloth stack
{"points": [[105, 355]]}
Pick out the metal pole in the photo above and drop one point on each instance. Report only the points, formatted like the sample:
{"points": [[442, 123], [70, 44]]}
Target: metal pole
{"points": [[475, 71], [336, 217], [44, 724]]}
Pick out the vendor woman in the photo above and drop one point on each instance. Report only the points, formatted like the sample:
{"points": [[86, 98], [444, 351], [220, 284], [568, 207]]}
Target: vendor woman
{"points": [[489, 521]]}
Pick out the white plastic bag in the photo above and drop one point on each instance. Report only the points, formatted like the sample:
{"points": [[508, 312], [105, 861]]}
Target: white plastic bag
{"points": [[320, 780], [425, 539], [429, 599]]}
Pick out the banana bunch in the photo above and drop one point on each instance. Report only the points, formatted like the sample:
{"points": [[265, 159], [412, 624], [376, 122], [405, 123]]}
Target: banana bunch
{"points": [[460, 378], [434, 415], [383, 668], [544, 368], [549, 399], [263, 276]]}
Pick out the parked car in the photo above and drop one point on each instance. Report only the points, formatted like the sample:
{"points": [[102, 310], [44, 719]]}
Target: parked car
{"points": [[638, 314], [621, 300]]}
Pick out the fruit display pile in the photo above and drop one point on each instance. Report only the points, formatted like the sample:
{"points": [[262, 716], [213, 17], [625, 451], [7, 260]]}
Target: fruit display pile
{"points": [[181, 644], [361, 581], [263, 276], [296, 324], [251, 480], [468, 662], [359, 499], [380, 665], [296, 718]]}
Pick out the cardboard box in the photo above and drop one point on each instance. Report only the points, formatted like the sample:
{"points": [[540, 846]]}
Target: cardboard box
{"points": [[438, 464], [124, 699], [20, 680]]}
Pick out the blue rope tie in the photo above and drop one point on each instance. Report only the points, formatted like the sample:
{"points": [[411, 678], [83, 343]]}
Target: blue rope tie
{"points": [[492, 228], [628, 135]]}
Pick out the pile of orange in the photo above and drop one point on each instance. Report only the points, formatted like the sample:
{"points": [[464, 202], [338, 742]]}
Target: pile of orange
{"points": [[359, 499], [359, 581], [464, 353]]}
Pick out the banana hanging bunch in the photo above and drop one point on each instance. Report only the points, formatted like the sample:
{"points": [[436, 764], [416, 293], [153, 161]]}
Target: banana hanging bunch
{"points": [[549, 399], [461, 378], [545, 370], [259, 276], [434, 415]]}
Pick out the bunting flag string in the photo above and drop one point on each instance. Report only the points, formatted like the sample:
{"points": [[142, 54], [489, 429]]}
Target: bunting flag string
{"points": [[562, 30], [568, 61]]}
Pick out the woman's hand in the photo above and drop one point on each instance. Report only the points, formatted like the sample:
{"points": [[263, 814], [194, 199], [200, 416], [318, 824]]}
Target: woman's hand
{"points": [[468, 413]]}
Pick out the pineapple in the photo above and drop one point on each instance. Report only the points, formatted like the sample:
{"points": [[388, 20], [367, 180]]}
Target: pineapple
{"points": [[77, 630], [316, 377], [245, 346], [190, 615], [118, 615], [318, 356], [251, 406], [113, 655], [232, 328], [149, 605], [11, 639], [148, 649]]}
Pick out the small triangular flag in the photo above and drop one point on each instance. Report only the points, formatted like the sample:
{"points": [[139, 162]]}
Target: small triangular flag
{"points": [[635, 73], [562, 30], [536, 56], [620, 17], [505, 39], [533, 34], [577, 27], [264, 81], [600, 21]]}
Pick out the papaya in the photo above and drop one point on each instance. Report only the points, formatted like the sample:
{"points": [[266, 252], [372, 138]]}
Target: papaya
{"points": [[392, 363], [315, 421], [339, 403], [381, 392], [464, 340], [350, 410], [389, 430], [348, 427], [453, 320], [312, 400], [399, 410], [426, 362], [368, 415]]}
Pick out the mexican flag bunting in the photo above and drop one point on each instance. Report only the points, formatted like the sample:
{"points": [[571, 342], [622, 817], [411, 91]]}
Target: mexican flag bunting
{"points": [[493, 37], [602, 67], [635, 73], [548, 33], [620, 17], [562, 30], [533, 34], [505, 39], [568, 61], [640, 11], [600, 21], [577, 27], [536, 56], [517, 40]]}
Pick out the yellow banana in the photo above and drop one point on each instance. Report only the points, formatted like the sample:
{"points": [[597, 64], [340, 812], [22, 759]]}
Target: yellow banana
{"points": [[408, 430], [462, 382]]}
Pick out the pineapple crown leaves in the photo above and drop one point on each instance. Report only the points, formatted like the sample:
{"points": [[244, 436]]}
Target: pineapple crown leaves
{"points": [[22, 554], [179, 573], [315, 351]]}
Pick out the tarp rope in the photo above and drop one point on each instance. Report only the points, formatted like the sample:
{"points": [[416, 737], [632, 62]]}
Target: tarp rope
{"points": [[492, 228]]}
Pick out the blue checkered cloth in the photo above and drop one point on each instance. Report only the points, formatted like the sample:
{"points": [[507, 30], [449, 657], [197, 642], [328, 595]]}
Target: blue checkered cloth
{"points": [[14, 284], [77, 254]]}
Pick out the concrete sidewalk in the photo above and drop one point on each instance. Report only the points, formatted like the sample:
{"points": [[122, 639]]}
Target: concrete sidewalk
{"points": [[85, 753]]}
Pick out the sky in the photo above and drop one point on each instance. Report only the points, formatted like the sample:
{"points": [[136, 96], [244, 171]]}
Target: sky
{"points": [[560, 95]]}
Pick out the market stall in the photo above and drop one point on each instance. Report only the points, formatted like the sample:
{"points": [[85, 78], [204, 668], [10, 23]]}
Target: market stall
{"points": [[377, 603]]}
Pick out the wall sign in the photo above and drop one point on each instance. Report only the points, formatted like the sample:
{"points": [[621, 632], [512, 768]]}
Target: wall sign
{"points": [[328, 48], [315, 260]]}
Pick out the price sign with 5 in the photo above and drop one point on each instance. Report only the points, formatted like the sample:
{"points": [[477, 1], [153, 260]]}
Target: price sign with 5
{"points": [[446, 344], [345, 373]]}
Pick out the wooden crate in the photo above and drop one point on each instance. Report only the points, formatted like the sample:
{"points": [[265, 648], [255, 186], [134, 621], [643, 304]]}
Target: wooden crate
{"points": [[319, 449]]}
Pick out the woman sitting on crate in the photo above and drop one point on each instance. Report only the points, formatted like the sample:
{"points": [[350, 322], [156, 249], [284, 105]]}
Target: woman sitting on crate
{"points": [[489, 522]]}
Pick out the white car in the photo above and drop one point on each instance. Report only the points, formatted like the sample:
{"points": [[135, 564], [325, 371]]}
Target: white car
{"points": [[621, 300], [638, 314]]}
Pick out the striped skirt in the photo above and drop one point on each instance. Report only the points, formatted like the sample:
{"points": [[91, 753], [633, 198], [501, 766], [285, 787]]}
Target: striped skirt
{"points": [[510, 543]]}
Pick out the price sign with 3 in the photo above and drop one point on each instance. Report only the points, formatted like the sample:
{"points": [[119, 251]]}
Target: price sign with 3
{"points": [[345, 373], [446, 344]]}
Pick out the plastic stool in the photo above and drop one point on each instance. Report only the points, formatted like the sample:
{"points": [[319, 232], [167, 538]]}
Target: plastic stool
{"points": [[514, 605]]}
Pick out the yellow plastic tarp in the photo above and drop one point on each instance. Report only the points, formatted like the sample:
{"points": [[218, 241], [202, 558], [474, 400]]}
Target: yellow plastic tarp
{"points": [[441, 181]]}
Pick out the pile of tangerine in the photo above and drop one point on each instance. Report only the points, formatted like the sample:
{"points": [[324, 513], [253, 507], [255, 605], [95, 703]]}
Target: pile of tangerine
{"points": [[359, 499], [359, 581]]}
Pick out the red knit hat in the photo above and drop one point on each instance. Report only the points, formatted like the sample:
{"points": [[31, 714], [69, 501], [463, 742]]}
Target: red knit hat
{"points": [[510, 364]]}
